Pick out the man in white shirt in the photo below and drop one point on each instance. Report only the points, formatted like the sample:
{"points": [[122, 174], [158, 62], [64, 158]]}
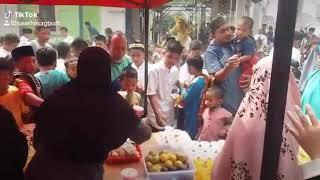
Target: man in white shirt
{"points": [[64, 32], [10, 42], [42, 34], [26, 37], [64, 53], [262, 41], [163, 78], [136, 51]]}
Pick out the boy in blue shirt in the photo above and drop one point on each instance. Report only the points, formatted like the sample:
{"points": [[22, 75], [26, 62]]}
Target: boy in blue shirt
{"points": [[50, 78]]}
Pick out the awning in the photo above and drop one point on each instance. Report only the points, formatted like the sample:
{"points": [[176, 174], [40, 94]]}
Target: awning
{"points": [[110, 3]]}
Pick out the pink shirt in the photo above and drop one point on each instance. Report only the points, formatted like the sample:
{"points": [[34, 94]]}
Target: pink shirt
{"points": [[213, 123]]}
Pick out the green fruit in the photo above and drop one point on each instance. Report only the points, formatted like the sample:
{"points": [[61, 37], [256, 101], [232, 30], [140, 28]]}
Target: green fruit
{"points": [[155, 160], [130, 98], [149, 165], [148, 158], [182, 158], [158, 167], [151, 153]]}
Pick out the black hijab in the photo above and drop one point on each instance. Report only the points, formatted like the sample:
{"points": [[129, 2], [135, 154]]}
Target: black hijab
{"points": [[84, 119], [14, 149], [94, 70]]}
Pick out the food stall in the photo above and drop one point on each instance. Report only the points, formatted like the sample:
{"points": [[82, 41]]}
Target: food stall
{"points": [[281, 66]]}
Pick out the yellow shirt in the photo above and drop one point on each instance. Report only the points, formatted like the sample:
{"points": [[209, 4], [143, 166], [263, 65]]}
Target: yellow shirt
{"points": [[14, 103]]}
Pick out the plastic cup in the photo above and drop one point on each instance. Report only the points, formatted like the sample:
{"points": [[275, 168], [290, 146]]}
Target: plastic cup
{"points": [[138, 109], [129, 174]]}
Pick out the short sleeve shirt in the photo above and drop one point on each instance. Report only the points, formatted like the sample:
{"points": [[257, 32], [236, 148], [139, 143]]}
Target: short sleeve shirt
{"points": [[215, 59], [161, 82], [244, 47], [116, 69]]}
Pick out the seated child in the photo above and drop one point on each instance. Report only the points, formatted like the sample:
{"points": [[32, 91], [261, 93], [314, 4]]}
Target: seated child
{"points": [[245, 46], [71, 67], [215, 118], [129, 81], [9, 95], [192, 95], [50, 78]]}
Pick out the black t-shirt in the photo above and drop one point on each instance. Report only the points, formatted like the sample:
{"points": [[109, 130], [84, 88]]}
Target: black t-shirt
{"points": [[83, 126]]}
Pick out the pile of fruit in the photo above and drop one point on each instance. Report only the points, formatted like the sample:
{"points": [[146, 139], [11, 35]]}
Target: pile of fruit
{"points": [[166, 161]]}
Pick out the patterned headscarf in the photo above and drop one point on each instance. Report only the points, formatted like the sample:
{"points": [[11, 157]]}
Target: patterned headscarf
{"points": [[241, 156]]}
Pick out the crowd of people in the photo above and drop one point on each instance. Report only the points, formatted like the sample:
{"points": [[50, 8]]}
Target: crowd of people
{"points": [[87, 97]]}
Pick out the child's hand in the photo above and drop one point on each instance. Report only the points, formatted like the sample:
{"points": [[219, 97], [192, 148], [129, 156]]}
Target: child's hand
{"points": [[138, 110]]}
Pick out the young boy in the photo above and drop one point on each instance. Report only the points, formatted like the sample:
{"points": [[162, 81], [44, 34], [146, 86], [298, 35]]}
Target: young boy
{"points": [[28, 85], [192, 95], [215, 118], [42, 34], [10, 41], [26, 37], [64, 53], [136, 51], [100, 41], [71, 67], [194, 50], [50, 78], [9, 95], [77, 46], [245, 46], [64, 32], [163, 78], [128, 81]]}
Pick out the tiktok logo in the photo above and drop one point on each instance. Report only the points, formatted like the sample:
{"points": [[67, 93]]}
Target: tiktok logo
{"points": [[7, 17], [8, 14]]}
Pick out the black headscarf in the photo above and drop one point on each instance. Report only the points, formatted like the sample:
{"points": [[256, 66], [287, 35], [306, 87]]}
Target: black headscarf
{"points": [[94, 70], [84, 120], [14, 149]]}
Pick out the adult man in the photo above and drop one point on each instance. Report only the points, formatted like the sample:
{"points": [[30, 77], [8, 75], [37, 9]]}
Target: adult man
{"points": [[64, 32], [117, 47], [10, 42], [26, 37], [221, 62], [42, 37]]}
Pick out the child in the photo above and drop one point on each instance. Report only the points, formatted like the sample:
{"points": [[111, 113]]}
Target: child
{"points": [[128, 81], [50, 79], [77, 46], [10, 41], [215, 118], [26, 37], [28, 85], [192, 95], [163, 78], [100, 41], [71, 67], [136, 51], [245, 46], [64, 53], [42, 34], [9, 95]]}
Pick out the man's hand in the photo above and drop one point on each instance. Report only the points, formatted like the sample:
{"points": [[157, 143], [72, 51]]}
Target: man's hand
{"points": [[161, 120], [306, 130], [233, 63]]}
